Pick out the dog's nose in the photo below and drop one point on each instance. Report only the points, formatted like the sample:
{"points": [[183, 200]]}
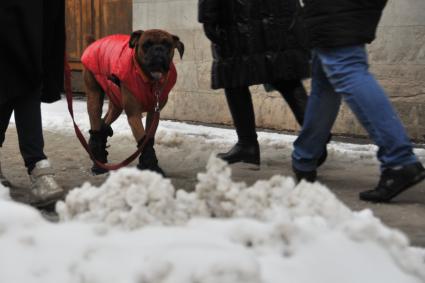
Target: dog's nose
{"points": [[159, 49]]}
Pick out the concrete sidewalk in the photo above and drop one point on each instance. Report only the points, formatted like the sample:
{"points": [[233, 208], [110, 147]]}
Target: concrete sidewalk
{"points": [[343, 176]]}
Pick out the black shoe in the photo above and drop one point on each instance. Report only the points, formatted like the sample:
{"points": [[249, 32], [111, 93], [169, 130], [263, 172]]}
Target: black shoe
{"points": [[309, 176], [395, 181], [247, 153], [97, 170], [151, 167], [98, 147], [5, 182], [97, 144], [148, 160]]}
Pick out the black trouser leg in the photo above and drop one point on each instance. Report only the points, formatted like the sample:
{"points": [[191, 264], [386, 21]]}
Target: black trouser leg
{"points": [[5, 114], [246, 149], [30, 132], [240, 104], [295, 95]]}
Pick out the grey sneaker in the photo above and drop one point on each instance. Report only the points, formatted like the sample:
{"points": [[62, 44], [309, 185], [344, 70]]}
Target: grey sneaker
{"points": [[43, 184]]}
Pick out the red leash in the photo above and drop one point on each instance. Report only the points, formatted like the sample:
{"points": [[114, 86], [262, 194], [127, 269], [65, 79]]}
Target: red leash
{"points": [[150, 133]]}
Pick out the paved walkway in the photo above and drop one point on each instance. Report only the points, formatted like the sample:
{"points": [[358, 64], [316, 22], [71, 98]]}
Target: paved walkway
{"points": [[343, 176]]}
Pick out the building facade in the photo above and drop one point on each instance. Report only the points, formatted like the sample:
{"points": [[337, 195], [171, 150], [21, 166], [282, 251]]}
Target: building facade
{"points": [[397, 59]]}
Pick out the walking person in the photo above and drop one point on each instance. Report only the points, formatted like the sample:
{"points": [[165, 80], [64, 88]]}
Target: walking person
{"points": [[254, 42], [33, 44], [338, 32]]}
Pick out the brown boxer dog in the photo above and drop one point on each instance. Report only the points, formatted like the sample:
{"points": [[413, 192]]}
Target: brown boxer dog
{"points": [[126, 68]]}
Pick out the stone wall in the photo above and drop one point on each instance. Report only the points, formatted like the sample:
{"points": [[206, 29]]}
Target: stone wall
{"points": [[397, 59]]}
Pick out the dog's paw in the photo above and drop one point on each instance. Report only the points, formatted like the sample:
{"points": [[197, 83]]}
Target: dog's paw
{"points": [[154, 168], [96, 170]]}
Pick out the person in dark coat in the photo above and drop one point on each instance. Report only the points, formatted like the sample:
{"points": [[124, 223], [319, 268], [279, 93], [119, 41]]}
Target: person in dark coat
{"points": [[32, 58], [253, 42], [338, 32]]}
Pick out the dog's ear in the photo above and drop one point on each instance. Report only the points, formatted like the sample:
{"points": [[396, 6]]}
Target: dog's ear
{"points": [[134, 38], [179, 45]]}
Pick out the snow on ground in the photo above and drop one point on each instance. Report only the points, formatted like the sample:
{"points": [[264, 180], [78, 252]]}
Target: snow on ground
{"points": [[134, 228], [137, 228], [56, 118]]}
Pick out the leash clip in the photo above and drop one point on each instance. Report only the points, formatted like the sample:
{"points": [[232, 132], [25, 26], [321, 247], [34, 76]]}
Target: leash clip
{"points": [[157, 91]]}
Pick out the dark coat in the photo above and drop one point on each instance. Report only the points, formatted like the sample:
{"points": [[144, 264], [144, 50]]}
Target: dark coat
{"points": [[332, 23], [253, 42], [32, 48]]}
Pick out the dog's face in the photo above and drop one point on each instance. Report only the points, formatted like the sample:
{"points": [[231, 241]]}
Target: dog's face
{"points": [[155, 51]]}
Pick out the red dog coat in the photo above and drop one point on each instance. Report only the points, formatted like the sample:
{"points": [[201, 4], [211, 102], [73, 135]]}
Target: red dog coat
{"points": [[112, 55]]}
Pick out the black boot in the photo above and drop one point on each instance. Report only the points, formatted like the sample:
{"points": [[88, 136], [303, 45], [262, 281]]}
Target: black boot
{"points": [[395, 181], [242, 152], [97, 144], [309, 176], [246, 149], [148, 160], [3, 180]]}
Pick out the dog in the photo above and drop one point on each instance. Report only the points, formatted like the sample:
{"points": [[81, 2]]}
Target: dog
{"points": [[126, 68]]}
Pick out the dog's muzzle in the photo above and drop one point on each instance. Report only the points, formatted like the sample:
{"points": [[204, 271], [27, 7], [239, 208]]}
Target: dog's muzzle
{"points": [[157, 60]]}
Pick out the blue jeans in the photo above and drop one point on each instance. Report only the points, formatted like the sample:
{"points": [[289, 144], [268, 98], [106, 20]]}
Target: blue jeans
{"points": [[343, 72]]}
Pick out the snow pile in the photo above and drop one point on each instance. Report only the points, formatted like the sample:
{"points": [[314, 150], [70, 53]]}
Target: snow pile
{"points": [[131, 199], [33, 250], [274, 229], [240, 250]]}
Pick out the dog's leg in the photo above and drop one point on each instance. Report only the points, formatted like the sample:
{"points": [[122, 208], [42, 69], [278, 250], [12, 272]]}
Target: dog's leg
{"points": [[133, 110], [112, 114], [95, 97], [99, 131], [150, 115]]}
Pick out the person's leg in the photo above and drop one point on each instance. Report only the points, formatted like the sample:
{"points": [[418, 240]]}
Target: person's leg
{"points": [[31, 144], [322, 110], [295, 95], [240, 105], [5, 114], [246, 149], [347, 70], [29, 128]]}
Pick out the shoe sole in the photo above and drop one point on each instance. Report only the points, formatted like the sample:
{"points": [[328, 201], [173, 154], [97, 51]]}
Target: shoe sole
{"points": [[98, 171], [50, 202], [416, 181], [6, 183], [245, 166]]}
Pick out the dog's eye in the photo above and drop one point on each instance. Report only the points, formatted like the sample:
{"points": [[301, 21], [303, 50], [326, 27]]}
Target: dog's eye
{"points": [[166, 43]]}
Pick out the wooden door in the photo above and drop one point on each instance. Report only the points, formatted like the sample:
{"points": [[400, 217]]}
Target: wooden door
{"points": [[94, 17]]}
